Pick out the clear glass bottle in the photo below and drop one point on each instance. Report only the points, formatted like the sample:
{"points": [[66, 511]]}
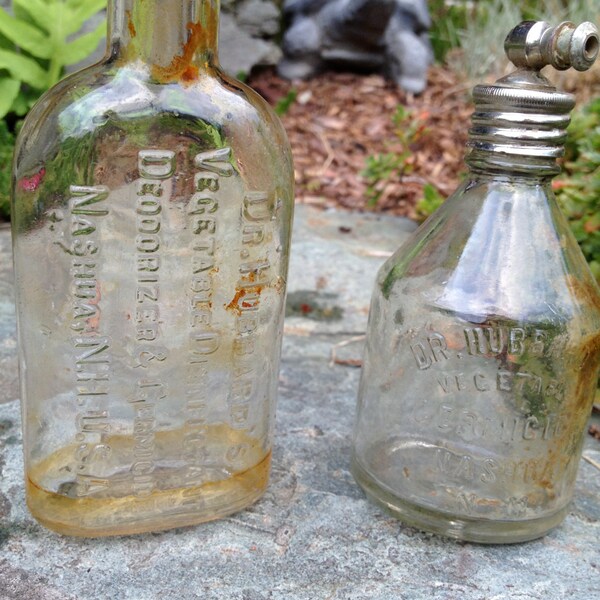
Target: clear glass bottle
{"points": [[153, 200], [483, 345]]}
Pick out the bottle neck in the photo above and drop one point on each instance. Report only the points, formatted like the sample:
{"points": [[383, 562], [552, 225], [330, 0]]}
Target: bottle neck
{"points": [[493, 163], [519, 127], [175, 38]]}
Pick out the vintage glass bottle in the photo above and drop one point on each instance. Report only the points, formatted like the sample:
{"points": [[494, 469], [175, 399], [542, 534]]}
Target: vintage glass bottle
{"points": [[484, 335], [152, 213]]}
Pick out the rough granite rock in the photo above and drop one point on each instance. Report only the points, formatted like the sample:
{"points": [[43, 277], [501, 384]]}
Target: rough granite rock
{"points": [[377, 35], [249, 29], [259, 17], [240, 52], [313, 536]]}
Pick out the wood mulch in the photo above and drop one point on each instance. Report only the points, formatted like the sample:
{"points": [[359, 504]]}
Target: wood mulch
{"points": [[338, 120]]}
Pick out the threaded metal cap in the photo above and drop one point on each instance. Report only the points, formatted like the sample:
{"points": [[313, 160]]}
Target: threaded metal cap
{"points": [[523, 117]]}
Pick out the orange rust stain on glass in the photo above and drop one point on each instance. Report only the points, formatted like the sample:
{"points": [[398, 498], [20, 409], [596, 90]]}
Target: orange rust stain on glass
{"points": [[588, 358], [588, 372], [586, 293], [130, 25], [190, 74], [237, 305], [181, 67]]}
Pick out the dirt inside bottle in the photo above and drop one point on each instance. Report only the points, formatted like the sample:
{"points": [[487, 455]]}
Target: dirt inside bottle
{"points": [[109, 502]]}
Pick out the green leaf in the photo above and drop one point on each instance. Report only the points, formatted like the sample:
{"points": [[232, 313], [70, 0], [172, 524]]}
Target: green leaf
{"points": [[79, 12], [82, 47], [37, 11], [6, 43], [23, 68], [579, 190], [25, 36], [7, 142], [20, 105], [9, 90], [284, 105], [37, 43]]}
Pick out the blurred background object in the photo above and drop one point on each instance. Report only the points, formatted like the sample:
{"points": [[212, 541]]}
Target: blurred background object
{"points": [[389, 36]]}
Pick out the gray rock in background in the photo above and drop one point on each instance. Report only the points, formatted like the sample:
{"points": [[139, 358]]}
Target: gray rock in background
{"points": [[383, 35], [247, 36], [249, 29], [380, 35], [259, 17], [239, 51]]}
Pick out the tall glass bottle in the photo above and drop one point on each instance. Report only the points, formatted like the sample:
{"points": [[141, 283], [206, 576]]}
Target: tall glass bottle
{"points": [[484, 337], [151, 223]]}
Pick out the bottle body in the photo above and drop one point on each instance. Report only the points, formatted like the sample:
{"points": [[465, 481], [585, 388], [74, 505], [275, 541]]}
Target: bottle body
{"points": [[480, 368], [151, 232]]}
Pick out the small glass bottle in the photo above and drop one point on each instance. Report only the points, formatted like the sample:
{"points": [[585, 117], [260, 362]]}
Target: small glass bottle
{"points": [[484, 336], [153, 200]]}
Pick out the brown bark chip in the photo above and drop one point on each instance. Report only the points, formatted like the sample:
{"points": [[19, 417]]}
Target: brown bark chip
{"points": [[338, 120]]}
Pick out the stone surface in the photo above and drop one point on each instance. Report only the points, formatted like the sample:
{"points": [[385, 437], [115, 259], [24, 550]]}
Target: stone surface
{"points": [[259, 17], [313, 536], [248, 35], [333, 267], [377, 35], [239, 51], [9, 379]]}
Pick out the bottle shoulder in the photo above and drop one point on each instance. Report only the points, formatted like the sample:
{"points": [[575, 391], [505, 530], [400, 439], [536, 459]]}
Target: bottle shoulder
{"points": [[496, 248], [212, 105], [94, 128]]}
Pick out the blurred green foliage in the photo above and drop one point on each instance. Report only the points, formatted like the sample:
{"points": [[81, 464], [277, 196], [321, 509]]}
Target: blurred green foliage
{"points": [[447, 21], [478, 28], [431, 201], [7, 142], [578, 189], [382, 168], [284, 105], [37, 42]]}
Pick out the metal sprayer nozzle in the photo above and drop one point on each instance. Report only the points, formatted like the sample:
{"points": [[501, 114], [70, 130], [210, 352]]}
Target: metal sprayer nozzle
{"points": [[536, 44]]}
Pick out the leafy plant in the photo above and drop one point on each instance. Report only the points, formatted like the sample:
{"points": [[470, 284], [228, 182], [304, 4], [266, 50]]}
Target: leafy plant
{"points": [[382, 168], [432, 200], [7, 141], [36, 44], [446, 23], [578, 189], [479, 29], [284, 105]]}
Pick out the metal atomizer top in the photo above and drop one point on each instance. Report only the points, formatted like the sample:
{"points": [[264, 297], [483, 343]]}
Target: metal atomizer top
{"points": [[520, 122]]}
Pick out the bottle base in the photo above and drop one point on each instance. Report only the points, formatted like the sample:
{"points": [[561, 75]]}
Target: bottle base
{"points": [[463, 528], [159, 511]]}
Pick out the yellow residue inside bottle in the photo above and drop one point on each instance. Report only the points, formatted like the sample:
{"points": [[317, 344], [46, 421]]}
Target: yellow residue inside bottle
{"points": [[114, 509]]}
